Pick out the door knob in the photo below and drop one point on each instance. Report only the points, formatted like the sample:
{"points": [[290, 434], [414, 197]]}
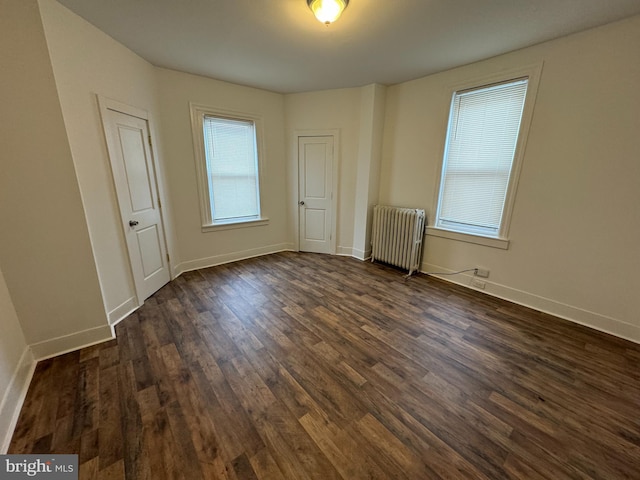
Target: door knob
{"points": [[301, 202], [133, 223]]}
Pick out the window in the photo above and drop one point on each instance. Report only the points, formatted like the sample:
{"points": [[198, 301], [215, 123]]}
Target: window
{"points": [[480, 160], [232, 168], [227, 156]]}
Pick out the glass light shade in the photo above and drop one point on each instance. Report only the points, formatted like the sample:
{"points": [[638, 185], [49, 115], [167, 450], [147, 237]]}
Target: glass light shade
{"points": [[327, 11]]}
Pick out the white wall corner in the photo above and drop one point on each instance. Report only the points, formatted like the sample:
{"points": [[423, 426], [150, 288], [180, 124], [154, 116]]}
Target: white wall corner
{"points": [[69, 343], [372, 110], [361, 254], [13, 398], [122, 311], [345, 252]]}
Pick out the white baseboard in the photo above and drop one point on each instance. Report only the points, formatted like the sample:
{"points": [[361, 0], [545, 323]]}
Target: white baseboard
{"points": [[574, 314], [361, 255], [68, 343], [119, 313], [13, 398], [229, 257], [345, 252]]}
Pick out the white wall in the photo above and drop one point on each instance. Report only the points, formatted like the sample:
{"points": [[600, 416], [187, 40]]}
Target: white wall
{"points": [[326, 110], [87, 62], [358, 113], [195, 248], [45, 250], [576, 223], [16, 366], [372, 107]]}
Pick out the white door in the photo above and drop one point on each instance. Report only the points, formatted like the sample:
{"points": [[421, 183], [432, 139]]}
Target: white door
{"points": [[133, 169], [315, 175]]}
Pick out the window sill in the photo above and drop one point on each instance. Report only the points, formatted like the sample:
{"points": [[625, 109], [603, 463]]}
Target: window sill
{"points": [[501, 243], [233, 224]]}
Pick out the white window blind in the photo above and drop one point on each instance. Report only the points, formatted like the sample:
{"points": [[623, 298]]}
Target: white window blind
{"points": [[483, 132], [232, 168]]}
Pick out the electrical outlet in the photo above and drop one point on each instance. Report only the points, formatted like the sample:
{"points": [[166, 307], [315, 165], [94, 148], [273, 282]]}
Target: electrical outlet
{"points": [[482, 272], [478, 283]]}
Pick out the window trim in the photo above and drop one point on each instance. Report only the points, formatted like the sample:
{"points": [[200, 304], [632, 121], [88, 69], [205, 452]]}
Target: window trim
{"points": [[502, 243], [533, 73], [198, 112]]}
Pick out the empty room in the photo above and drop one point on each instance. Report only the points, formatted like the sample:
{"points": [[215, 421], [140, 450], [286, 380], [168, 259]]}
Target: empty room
{"points": [[320, 239]]}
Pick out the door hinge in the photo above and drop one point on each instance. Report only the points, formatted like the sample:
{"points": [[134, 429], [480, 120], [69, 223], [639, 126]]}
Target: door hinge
{"points": [[159, 204], [168, 258], [150, 142]]}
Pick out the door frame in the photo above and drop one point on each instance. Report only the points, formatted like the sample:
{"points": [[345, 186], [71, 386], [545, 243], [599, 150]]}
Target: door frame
{"points": [[104, 105], [297, 134]]}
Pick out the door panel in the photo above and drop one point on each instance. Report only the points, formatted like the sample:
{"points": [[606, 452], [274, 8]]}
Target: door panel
{"points": [[134, 176], [150, 250], [315, 170], [315, 220], [133, 153]]}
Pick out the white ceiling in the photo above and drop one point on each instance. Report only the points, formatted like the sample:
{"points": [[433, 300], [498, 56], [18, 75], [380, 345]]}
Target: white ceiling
{"points": [[278, 45]]}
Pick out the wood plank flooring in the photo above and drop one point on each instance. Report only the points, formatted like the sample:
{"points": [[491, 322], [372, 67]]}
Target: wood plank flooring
{"points": [[302, 366]]}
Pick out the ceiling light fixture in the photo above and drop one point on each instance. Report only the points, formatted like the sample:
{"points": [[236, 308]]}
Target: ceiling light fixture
{"points": [[327, 11]]}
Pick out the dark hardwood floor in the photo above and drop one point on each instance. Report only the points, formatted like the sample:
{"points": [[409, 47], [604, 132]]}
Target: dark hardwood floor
{"points": [[302, 366]]}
